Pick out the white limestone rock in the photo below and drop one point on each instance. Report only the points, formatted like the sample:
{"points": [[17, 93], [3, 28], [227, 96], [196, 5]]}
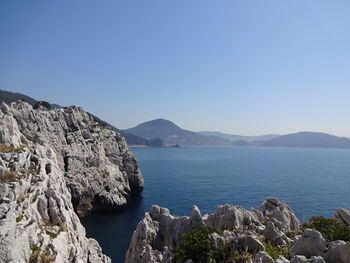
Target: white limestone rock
{"points": [[263, 257], [231, 217], [249, 243], [274, 235], [240, 228], [38, 218], [99, 169], [343, 215], [280, 211], [311, 243], [61, 161], [339, 252]]}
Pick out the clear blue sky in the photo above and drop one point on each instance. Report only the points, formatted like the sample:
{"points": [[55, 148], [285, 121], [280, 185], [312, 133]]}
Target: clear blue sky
{"points": [[238, 66]]}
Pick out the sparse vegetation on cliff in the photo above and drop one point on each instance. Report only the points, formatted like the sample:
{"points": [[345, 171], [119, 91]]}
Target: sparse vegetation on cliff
{"points": [[8, 149], [330, 228]]}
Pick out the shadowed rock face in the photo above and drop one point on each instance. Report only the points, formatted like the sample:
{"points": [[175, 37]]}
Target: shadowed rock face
{"points": [[98, 167]]}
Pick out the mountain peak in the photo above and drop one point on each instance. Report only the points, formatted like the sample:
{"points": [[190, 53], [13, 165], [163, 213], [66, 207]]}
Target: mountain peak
{"points": [[159, 123], [172, 134]]}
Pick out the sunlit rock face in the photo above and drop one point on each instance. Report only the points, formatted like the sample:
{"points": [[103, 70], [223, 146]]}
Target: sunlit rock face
{"points": [[55, 165], [99, 169], [159, 235]]}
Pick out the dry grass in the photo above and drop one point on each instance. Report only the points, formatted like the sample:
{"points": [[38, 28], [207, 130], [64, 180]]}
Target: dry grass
{"points": [[34, 256], [35, 197], [275, 251], [47, 257], [9, 176], [32, 168], [10, 149], [50, 226], [38, 256], [63, 227], [41, 257], [241, 257], [21, 198]]}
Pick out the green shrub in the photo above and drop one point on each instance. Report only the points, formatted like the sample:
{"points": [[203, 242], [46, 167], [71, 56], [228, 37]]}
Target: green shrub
{"points": [[19, 218], [275, 251], [247, 221], [35, 248], [42, 103], [195, 245], [330, 228], [53, 235]]}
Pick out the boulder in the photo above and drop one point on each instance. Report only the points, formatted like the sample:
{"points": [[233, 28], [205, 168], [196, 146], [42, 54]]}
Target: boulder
{"points": [[311, 243], [339, 252], [263, 257], [249, 243], [302, 259], [343, 215], [298, 259]]}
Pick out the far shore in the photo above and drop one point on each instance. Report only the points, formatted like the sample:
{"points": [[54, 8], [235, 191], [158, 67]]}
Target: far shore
{"points": [[140, 146]]}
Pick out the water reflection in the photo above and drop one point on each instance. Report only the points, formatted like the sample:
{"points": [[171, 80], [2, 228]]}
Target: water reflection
{"points": [[103, 226]]}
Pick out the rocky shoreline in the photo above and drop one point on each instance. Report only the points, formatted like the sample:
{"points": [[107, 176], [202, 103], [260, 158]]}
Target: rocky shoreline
{"points": [[272, 234]]}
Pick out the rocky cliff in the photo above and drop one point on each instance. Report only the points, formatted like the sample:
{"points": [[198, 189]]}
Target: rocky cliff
{"points": [[53, 162], [272, 234], [99, 169]]}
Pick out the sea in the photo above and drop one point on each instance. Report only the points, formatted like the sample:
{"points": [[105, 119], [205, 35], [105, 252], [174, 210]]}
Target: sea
{"points": [[312, 181]]}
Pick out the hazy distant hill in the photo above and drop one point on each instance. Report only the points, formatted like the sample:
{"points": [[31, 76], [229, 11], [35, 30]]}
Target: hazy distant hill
{"points": [[308, 139], [132, 139], [8, 97], [172, 134], [234, 137]]}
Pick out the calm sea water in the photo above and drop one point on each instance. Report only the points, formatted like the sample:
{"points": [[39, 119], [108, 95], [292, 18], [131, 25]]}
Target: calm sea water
{"points": [[312, 181]]}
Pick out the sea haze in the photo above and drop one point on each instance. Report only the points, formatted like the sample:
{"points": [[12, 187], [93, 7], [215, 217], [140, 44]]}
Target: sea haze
{"points": [[313, 181]]}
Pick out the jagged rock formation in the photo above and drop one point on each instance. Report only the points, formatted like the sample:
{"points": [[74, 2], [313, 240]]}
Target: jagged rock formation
{"points": [[275, 209], [99, 169], [52, 162], [245, 231], [37, 219]]}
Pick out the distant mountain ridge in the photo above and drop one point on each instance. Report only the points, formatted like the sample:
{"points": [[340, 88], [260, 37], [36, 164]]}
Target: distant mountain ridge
{"points": [[8, 97], [161, 132], [172, 134], [308, 139], [234, 137]]}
